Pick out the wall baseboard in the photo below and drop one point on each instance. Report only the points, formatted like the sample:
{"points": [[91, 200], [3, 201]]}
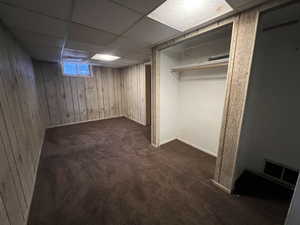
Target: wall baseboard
{"points": [[221, 187], [200, 149], [84, 121], [194, 146], [165, 142], [139, 122]]}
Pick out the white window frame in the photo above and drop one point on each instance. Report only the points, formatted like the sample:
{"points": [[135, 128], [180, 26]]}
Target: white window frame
{"points": [[77, 75]]}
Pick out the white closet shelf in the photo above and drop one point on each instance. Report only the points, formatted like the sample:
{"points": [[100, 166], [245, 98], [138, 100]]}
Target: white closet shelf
{"points": [[204, 65]]}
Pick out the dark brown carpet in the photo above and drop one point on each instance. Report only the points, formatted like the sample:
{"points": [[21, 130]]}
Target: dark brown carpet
{"points": [[106, 173]]}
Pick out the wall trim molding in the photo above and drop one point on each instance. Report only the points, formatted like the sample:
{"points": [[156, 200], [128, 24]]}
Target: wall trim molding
{"points": [[85, 121], [221, 187], [200, 149]]}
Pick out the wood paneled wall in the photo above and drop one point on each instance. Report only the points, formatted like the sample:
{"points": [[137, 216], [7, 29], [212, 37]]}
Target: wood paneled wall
{"points": [[134, 93], [66, 100], [21, 131], [108, 93]]}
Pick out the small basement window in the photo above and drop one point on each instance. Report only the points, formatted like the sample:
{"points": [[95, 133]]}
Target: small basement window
{"points": [[76, 69]]}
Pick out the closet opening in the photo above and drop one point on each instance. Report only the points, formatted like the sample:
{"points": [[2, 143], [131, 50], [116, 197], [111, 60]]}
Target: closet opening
{"points": [[192, 92], [268, 159]]}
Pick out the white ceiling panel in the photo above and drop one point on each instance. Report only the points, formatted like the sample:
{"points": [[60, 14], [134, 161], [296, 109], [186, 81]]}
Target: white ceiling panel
{"points": [[142, 6], [18, 18], [56, 8], [28, 37], [88, 35], [187, 14], [105, 15], [126, 45], [140, 57], [116, 64], [150, 31], [84, 46]]}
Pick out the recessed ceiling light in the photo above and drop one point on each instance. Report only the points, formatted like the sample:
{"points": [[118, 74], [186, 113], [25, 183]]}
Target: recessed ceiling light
{"points": [[183, 15], [105, 57]]}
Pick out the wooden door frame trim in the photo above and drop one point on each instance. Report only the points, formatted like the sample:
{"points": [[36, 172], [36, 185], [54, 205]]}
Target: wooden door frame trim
{"points": [[155, 80]]}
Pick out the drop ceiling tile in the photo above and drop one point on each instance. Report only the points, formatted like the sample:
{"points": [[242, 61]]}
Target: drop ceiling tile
{"points": [[126, 45], [116, 64], [142, 6], [80, 33], [139, 57], [105, 15], [188, 14], [151, 32], [56, 8], [84, 46], [22, 19], [28, 37]]}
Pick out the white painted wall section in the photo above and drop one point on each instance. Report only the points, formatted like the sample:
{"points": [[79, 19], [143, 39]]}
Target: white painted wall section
{"points": [[169, 95], [271, 122], [201, 107], [192, 102]]}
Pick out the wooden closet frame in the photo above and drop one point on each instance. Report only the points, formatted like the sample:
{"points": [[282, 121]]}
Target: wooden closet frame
{"points": [[244, 29]]}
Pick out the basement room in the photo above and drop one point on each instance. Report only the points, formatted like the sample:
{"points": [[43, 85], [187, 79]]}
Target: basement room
{"points": [[149, 112]]}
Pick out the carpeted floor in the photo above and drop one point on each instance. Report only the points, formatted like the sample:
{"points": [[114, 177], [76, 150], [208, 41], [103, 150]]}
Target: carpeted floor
{"points": [[106, 173]]}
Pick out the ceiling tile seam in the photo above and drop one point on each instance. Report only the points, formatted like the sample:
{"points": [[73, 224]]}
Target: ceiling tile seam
{"points": [[127, 7], [71, 21], [135, 23], [12, 5], [54, 17]]}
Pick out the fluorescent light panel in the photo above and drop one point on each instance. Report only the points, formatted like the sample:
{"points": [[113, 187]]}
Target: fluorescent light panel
{"points": [[105, 57], [183, 15]]}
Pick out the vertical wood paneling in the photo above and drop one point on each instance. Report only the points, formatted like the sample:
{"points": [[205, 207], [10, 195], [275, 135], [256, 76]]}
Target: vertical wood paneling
{"points": [[51, 92], [43, 102], [22, 129], [68, 94], [92, 98], [111, 92], [8, 191], [9, 107], [82, 99], [134, 93], [108, 93], [99, 85], [77, 99], [6, 146], [3, 215], [239, 78]]}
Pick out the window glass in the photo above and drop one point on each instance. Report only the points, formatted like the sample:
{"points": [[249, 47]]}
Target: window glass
{"points": [[70, 68], [76, 69], [83, 69]]}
